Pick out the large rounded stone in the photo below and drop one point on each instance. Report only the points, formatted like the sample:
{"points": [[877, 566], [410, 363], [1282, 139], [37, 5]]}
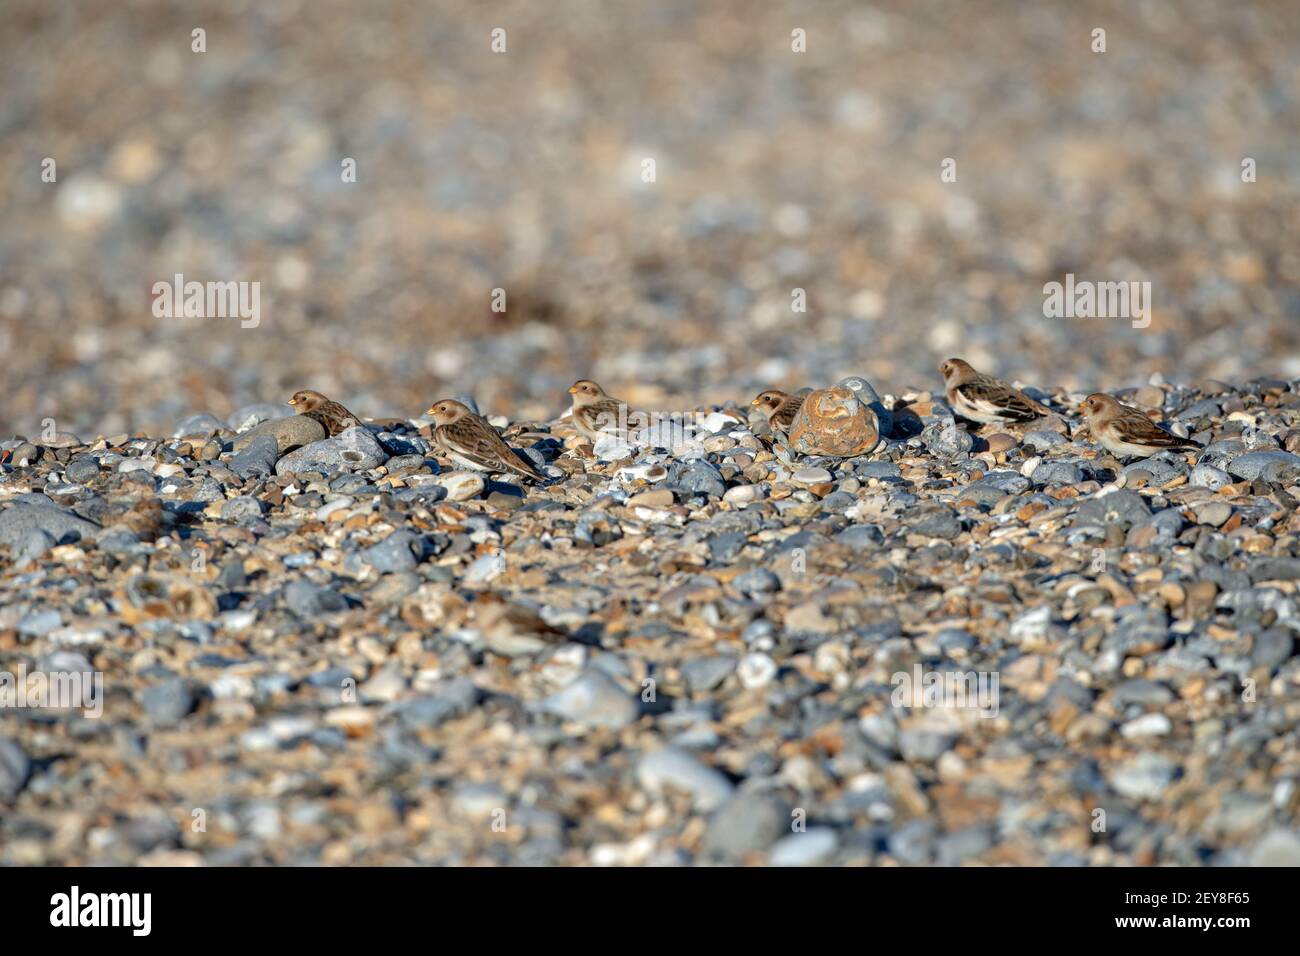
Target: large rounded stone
{"points": [[832, 421], [289, 433]]}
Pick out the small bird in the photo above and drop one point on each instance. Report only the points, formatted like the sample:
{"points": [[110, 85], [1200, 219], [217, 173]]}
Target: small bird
{"points": [[472, 442], [332, 416], [597, 415], [1124, 430], [985, 399], [512, 630], [778, 408]]}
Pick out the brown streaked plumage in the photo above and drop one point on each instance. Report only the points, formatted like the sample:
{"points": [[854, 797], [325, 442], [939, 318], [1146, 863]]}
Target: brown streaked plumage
{"points": [[472, 442], [985, 399], [1124, 430], [513, 630], [333, 417], [598, 415], [778, 408]]}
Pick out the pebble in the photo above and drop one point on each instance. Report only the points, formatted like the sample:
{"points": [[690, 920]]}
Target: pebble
{"points": [[1281, 466], [593, 700], [351, 451], [1214, 514], [462, 485], [15, 768], [701, 477], [717, 601], [673, 769], [656, 498], [756, 670], [1148, 725], [398, 552], [251, 415], [1279, 848], [833, 422], [814, 847], [201, 424], [241, 510], [82, 469], [747, 823], [743, 494], [257, 458], [289, 433], [167, 701], [34, 545], [39, 513], [484, 569], [1145, 776], [811, 476], [40, 623]]}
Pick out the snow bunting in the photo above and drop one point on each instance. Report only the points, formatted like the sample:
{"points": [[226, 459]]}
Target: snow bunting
{"points": [[332, 416], [778, 408], [1124, 430], [597, 415], [985, 399], [472, 442], [512, 630]]}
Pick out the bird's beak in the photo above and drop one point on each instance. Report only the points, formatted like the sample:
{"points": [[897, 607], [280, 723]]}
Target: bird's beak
{"points": [[429, 412], [292, 402], [573, 390], [754, 402]]}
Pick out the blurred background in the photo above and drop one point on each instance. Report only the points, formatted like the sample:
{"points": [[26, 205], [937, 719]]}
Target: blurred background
{"points": [[523, 170]]}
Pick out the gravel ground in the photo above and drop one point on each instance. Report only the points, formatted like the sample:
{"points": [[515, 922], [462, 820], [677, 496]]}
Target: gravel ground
{"points": [[303, 653], [347, 654], [521, 171]]}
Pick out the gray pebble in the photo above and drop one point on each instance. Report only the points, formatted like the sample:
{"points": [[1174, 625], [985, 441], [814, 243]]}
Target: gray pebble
{"points": [[747, 823], [201, 424], [81, 469], [39, 623], [35, 544], [289, 433], [241, 510], [1120, 507], [306, 599], [167, 701], [257, 459], [705, 673], [350, 451], [37, 511], [861, 537], [1280, 466], [757, 581], [398, 552], [673, 769], [1144, 777], [15, 768], [594, 700], [252, 415], [810, 848]]}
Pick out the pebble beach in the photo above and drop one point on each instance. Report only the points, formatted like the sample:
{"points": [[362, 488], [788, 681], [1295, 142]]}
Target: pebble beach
{"points": [[703, 650]]}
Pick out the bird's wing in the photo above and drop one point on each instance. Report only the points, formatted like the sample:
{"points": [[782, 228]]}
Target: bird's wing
{"points": [[1136, 429], [997, 398], [604, 416], [333, 417], [479, 442], [785, 414]]}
